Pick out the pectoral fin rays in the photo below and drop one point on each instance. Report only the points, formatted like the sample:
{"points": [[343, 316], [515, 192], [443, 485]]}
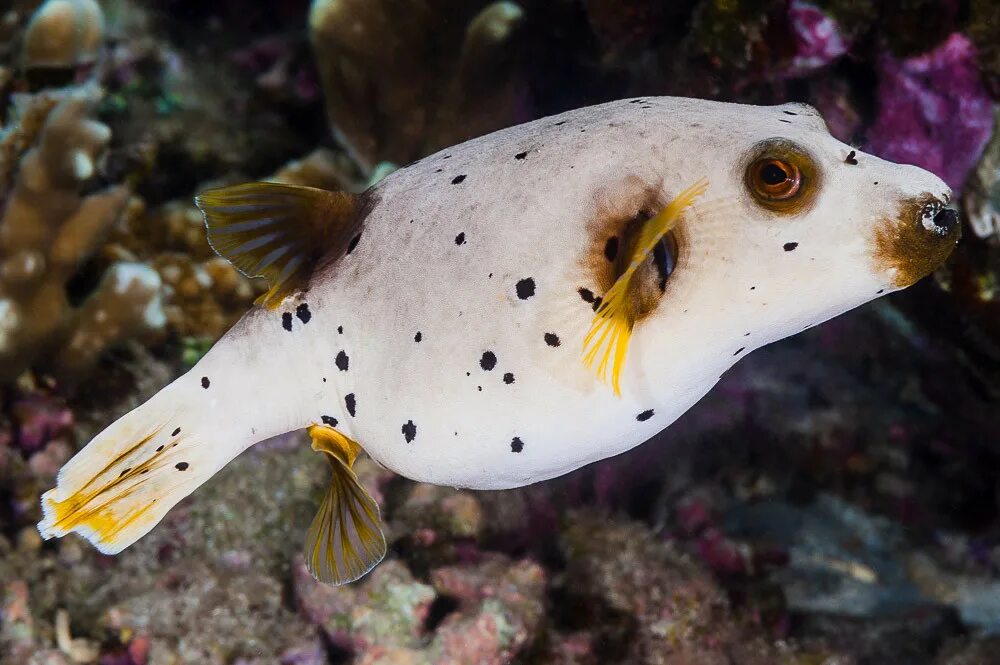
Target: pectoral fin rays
{"points": [[606, 344], [345, 540]]}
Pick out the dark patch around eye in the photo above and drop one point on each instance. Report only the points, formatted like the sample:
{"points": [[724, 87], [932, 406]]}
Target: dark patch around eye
{"points": [[409, 431], [181, 466], [354, 243], [303, 313], [586, 294], [520, 155], [458, 179], [205, 383], [516, 445], [342, 361], [525, 288], [460, 239], [789, 246], [508, 378], [611, 248], [286, 321], [552, 339], [351, 403], [329, 420], [645, 415], [488, 361]]}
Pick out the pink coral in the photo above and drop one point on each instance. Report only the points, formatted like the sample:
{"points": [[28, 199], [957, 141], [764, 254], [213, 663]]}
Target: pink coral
{"points": [[818, 40], [934, 111]]}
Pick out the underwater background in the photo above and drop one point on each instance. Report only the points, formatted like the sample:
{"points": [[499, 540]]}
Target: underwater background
{"points": [[834, 500]]}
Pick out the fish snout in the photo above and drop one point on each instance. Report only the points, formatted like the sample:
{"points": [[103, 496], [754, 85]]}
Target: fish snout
{"points": [[918, 240]]}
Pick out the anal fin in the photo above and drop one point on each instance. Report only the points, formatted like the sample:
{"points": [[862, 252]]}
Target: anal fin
{"points": [[345, 539], [277, 231]]}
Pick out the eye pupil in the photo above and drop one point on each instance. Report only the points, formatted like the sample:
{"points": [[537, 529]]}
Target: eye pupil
{"points": [[772, 174]]}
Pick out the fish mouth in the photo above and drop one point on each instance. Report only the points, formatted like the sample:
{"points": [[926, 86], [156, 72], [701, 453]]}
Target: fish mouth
{"points": [[918, 240]]}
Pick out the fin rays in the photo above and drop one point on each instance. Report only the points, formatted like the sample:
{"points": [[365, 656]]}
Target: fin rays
{"points": [[606, 343], [276, 231], [345, 539]]}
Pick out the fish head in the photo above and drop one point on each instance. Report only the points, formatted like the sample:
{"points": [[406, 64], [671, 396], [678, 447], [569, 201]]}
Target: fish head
{"points": [[797, 228]]}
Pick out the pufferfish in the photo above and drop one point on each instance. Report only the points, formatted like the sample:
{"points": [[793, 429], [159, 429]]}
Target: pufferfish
{"points": [[512, 308]]}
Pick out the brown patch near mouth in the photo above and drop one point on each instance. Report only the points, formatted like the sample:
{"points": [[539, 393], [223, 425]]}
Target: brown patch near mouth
{"points": [[905, 247], [619, 212]]}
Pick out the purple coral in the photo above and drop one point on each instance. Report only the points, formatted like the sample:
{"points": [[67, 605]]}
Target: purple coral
{"points": [[818, 40], [933, 111]]}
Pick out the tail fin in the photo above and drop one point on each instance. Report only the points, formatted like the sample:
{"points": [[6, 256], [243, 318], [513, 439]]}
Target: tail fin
{"points": [[124, 481]]}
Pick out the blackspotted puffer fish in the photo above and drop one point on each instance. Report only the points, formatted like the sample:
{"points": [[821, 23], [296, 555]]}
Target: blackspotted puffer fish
{"points": [[512, 308]]}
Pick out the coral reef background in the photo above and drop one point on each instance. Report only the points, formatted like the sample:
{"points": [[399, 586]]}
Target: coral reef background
{"points": [[836, 499]]}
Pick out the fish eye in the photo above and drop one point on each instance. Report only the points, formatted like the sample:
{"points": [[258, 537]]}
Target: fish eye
{"points": [[781, 176], [775, 179]]}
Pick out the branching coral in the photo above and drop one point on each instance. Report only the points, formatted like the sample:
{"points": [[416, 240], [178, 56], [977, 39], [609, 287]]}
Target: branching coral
{"points": [[63, 34], [48, 229], [400, 82]]}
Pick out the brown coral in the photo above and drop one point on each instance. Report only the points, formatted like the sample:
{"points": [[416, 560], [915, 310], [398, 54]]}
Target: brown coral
{"points": [[49, 228], [64, 33], [400, 82]]}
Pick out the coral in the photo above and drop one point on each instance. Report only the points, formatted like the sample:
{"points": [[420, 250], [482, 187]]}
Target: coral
{"points": [[933, 111], [64, 34], [818, 40], [400, 83], [48, 230], [981, 199]]}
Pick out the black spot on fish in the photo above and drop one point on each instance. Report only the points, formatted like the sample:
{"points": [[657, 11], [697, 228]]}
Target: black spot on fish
{"points": [[446, 157], [303, 313], [205, 383], [520, 155], [286, 321], [516, 445], [789, 113], [418, 337], [789, 246], [329, 420], [611, 248], [181, 466], [488, 361], [176, 432], [354, 243], [880, 292], [324, 379], [783, 120], [560, 123], [460, 239], [552, 339], [351, 403], [144, 471], [586, 294], [159, 448], [342, 361], [340, 330], [438, 170], [644, 416], [123, 473], [753, 288], [739, 350], [479, 388], [851, 158], [457, 180], [746, 334], [409, 431], [525, 288], [508, 378]]}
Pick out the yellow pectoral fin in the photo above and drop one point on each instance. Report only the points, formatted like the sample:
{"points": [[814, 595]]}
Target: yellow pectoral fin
{"points": [[345, 539], [606, 344]]}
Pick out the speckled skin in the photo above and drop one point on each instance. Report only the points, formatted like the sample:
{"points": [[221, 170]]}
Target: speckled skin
{"points": [[446, 242]]}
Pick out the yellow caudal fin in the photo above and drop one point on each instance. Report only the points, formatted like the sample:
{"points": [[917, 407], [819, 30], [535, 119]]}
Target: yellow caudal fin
{"points": [[278, 231], [606, 343], [126, 479], [345, 540]]}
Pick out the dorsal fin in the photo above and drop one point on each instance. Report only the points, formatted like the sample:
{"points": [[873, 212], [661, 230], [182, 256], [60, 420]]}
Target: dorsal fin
{"points": [[277, 231]]}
